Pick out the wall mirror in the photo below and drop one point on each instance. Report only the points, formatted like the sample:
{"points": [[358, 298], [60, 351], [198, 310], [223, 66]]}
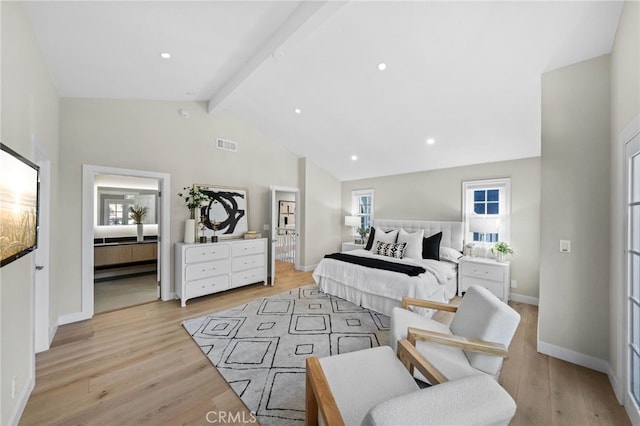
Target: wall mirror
{"points": [[113, 205]]}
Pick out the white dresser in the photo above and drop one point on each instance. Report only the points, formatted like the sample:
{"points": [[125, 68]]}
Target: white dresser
{"points": [[495, 276], [203, 269]]}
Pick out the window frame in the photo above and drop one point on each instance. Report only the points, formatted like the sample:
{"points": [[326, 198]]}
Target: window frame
{"points": [[356, 195], [504, 209]]}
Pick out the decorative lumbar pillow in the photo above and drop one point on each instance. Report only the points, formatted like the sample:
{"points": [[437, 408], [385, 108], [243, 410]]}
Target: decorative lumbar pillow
{"points": [[414, 243], [390, 249], [385, 237], [431, 246]]}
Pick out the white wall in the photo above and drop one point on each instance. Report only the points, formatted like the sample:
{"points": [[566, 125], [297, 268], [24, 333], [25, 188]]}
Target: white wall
{"points": [[321, 224], [574, 291], [437, 195], [152, 136], [625, 106], [29, 119]]}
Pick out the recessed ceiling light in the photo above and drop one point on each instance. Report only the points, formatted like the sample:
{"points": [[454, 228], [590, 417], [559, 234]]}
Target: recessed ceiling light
{"points": [[354, 158], [431, 141], [298, 111], [165, 55], [382, 66]]}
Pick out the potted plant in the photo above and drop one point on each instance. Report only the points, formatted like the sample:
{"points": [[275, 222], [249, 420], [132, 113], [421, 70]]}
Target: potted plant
{"points": [[501, 249], [137, 213], [194, 199]]}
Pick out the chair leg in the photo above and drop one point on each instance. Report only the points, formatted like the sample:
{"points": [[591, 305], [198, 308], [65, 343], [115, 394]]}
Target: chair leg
{"points": [[311, 404]]}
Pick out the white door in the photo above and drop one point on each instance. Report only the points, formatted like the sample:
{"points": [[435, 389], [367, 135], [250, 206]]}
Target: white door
{"points": [[42, 258], [632, 399]]}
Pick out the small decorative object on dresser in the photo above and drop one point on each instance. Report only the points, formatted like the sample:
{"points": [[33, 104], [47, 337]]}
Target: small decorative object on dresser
{"points": [[488, 273], [203, 269]]}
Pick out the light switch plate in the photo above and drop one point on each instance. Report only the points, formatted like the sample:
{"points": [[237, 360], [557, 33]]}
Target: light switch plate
{"points": [[565, 246]]}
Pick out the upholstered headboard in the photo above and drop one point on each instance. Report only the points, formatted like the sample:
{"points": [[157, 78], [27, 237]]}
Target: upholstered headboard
{"points": [[452, 234]]}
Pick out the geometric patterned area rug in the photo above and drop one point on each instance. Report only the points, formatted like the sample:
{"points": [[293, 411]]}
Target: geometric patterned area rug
{"points": [[260, 347]]}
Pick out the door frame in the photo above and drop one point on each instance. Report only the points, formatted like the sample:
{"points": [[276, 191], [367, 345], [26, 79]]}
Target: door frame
{"points": [[273, 226], [88, 219], [630, 132], [43, 332]]}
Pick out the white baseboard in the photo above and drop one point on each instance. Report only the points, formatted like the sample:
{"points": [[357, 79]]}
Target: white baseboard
{"points": [[73, 317], [615, 384], [22, 401], [308, 268], [574, 357], [524, 299]]}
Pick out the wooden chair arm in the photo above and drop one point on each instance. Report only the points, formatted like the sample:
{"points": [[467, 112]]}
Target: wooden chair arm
{"points": [[410, 358], [475, 345], [432, 304], [318, 395]]}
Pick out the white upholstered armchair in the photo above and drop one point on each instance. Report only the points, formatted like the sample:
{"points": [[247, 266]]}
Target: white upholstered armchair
{"points": [[374, 387], [475, 342]]}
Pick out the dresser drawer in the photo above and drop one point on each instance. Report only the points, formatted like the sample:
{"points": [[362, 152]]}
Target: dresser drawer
{"points": [[484, 271], [248, 247], [247, 262], [206, 252], [247, 277], [206, 269], [206, 286], [493, 286]]}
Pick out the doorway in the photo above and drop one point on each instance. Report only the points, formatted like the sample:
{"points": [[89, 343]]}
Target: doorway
{"points": [[284, 230], [125, 263], [90, 220]]}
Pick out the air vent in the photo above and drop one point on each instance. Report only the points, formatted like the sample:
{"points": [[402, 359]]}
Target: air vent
{"points": [[226, 145]]}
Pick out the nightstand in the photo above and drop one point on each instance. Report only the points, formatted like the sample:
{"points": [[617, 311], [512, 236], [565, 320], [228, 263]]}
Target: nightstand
{"points": [[348, 246], [493, 275]]}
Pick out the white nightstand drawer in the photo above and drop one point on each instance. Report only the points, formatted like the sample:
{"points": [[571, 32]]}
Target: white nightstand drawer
{"points": [[206, 269], [494, 287], [206, 286], [484, 271], [206, 252]]}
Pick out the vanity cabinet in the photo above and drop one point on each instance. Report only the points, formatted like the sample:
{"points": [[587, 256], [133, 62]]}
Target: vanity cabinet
{"points": [[202, 269], [121, 254]]}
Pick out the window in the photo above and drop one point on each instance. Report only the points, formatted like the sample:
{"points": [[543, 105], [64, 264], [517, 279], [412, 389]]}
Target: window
{"points": [[487, 210], [362, 206]]}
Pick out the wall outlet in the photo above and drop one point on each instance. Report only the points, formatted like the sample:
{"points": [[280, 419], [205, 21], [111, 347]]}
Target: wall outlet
{"points": [[13, 387], [266, 227], [514, 284], [565, 246]]}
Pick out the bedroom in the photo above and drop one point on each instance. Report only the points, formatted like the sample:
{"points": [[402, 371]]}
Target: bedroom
{"points": [[31, 107]]}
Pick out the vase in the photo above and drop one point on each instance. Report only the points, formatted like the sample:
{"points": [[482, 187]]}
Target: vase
{"points": [[189, 230], [500, 256], [140, 231]]}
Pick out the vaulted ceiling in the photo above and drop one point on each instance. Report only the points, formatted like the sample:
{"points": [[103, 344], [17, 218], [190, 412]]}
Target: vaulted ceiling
{"points": [[466, 75]]}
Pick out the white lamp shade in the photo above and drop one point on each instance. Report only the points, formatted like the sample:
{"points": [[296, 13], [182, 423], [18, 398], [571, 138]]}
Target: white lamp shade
{"points": [[352, 221], [484, 224]]}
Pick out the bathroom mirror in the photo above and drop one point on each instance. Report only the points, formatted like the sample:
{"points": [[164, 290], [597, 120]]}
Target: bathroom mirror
{"points": [[113, 205]]}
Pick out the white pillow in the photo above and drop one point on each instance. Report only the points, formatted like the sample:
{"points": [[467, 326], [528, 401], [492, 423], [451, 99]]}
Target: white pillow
{"points": [[414, 243], [388, 237], [449, 254]]}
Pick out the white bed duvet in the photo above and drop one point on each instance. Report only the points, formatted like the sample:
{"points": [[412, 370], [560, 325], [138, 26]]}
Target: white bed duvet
{"points": [[360, 284]]}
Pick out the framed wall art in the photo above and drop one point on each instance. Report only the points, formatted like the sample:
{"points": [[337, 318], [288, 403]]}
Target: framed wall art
{"points": [[226, 213]]}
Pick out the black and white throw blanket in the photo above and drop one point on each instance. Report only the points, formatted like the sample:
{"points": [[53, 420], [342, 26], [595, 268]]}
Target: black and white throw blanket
{"points": [[410, 270]]}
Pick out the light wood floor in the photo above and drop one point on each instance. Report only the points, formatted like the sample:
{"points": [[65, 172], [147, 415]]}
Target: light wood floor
{"points": [[139, 366], [124, 292]]}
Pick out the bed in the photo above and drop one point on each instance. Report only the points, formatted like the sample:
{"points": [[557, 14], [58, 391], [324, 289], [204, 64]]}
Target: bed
{"points": [[382, 290]]}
